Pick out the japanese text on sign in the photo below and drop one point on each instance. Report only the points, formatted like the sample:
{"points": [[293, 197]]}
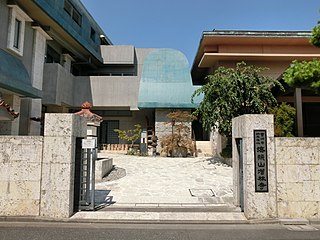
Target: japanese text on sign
{"points": [[261, 160]]}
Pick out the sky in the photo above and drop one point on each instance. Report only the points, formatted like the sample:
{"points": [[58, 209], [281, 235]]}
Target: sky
{"points": [[179, 24]]}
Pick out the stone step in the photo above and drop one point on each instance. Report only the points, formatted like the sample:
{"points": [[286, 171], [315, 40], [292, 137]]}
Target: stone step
{"points": [[163, 217], [141, 207]]}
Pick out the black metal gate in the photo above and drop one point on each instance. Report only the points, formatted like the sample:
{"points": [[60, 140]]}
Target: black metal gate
{"points": [[240, 154], [84, 197]]}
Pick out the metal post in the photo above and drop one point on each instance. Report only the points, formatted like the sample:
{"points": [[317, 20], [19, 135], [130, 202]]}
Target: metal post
{"points": [[88, 153], [93, 161], [298, 104]]}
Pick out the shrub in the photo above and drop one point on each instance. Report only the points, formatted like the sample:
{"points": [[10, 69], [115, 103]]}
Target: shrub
{"points": [[284, 120], [179, 142], [130, 135]]}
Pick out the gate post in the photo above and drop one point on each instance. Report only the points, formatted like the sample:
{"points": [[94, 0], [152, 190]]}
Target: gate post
{"points": [[257, 186], [58, 165]]}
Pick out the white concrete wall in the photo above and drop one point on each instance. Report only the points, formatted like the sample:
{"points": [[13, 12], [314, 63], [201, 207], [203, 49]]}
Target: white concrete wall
{"points": [[20, 175], [37, 173], [298, 177], [293, 172], [58, 167]]}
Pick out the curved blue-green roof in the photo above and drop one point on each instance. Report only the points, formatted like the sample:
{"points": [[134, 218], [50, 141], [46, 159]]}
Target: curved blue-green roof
{"points": [[166, 81], [14, 76]]}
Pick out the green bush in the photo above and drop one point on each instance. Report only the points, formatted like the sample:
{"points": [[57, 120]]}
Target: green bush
{"points": [[284, 120], [315, 36]]}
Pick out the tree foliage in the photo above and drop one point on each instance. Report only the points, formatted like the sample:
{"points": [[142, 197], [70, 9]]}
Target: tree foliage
{"points": [[231, 92], [315, 35], [179, 142], [130, 135], [305, 73], [284, 118]]}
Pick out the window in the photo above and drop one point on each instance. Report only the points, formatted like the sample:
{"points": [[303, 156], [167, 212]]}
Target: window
{"points": [[72, 11], [16, 29], [68, 7], [76, 17], [52, 55], [93, 35], [16, 38]]}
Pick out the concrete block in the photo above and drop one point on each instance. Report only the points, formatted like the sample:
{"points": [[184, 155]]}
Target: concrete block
{"points": [[57, 176], [103, 167], [56, 204]]}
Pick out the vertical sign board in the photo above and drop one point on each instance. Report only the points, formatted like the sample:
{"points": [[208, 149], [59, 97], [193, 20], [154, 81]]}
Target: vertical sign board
{"points": [[260, 160]]}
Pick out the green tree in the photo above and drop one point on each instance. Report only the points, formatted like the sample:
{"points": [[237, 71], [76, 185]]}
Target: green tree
{"points": [[130, 135], [231, 92], [305, 73], [284, 119], [315, 35], [179, 142]]}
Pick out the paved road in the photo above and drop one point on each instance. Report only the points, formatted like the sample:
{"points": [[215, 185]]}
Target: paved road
{"points": [[84, 231]]}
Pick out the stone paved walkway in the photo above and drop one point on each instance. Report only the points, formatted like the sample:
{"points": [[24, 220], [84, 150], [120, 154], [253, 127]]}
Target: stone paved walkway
{"points": [[157, 181]]}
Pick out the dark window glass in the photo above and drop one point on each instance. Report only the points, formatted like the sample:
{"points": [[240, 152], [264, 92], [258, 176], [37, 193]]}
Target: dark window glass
{"points": [[76, 17], [16, 33], [72, 11], [68, 7], [52, 55], [93, 35]]}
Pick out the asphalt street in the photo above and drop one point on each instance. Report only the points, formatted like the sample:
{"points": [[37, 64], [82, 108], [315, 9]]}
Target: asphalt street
{"points": [[97, 231]]}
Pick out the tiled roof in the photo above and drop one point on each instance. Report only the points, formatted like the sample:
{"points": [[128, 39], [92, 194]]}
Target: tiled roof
{"points": [[6, 106], [87, 114]]}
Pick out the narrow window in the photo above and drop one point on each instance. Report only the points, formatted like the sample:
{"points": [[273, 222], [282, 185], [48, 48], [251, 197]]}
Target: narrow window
{"points": [[16, 38], [93, 35], [68, 7], [76, 16]]}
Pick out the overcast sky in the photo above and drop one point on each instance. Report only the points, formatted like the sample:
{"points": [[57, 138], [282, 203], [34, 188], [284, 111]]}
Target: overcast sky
{"points": [[179, 24]]}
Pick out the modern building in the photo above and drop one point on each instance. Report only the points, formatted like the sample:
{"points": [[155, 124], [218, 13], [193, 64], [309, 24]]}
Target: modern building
{"points": [[54, 57], [272, 49]]}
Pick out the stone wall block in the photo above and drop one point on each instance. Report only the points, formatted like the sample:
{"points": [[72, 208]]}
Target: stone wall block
{"points": [[58, 176], [19, 207], [56, 204], [4, 171], [288, 173], [246, 123], [5, 151], [317, 193], [297, 142], [289, 192], [298, 210], [308, 191], [64, 124], [20, 148], [23, 190], [283, 155], [305, 155], [25, 171], [315, 169], [58, 149]]}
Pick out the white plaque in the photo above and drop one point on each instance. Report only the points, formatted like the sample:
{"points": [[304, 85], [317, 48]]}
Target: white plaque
{"points": [[88, 143]]}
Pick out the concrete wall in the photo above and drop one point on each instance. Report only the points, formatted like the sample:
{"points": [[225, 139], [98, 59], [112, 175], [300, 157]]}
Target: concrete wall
{"points": [[256, 205], [37, 173], [4, 21], [293, 172], [58, 85], [20, 175], [298, 177]]}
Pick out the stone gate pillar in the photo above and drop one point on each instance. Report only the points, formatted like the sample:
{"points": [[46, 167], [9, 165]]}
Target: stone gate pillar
{"points": [[254, 165], [58, 166]]}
